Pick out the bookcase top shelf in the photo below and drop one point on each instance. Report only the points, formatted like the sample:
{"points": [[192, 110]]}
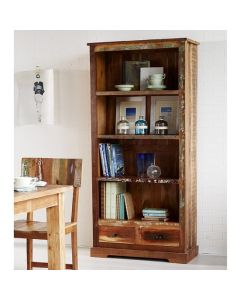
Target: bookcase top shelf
{"points": [[138, 137], [139, 93], [137, 222], [138, 179]]}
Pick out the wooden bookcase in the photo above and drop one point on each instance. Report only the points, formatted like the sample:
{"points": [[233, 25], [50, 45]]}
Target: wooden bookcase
{"points": [[174, 240]]}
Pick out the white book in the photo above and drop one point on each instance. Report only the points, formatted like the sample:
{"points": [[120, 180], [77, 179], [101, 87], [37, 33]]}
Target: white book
{"points": [[108, 200], [116, 188]]}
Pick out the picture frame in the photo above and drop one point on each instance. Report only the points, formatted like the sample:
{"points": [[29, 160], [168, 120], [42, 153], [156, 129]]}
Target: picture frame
{"points": [[145, 73], [131, 108], [166, 106], [132, 72]]}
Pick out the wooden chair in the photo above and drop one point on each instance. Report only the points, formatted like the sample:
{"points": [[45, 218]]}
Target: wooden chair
{"points": [[53, 171]]}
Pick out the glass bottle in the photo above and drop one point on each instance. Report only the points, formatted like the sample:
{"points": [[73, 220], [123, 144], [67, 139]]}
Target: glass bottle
{"points": [[141, 126], [123, 126], [161, 126]]}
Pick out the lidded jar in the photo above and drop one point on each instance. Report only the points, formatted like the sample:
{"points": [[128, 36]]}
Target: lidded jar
{"points": [[123, 126], [161, 126], [141, 126]]}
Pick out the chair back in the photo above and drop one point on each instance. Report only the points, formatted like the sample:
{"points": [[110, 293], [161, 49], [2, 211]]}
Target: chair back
{"points": [[56, 171]]}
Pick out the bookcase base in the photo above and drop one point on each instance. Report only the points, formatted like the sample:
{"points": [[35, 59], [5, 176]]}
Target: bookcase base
{"points": [[181, 258]]}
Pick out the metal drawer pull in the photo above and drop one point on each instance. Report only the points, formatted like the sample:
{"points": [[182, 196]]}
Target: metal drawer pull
{"points": [[114, 235], [158, 236]]}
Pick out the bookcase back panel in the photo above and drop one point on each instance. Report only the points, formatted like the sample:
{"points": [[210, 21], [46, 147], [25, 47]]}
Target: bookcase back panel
{"points": [[106, 115], [151, 195], [110, 66], [101, 72], [166, 155]]}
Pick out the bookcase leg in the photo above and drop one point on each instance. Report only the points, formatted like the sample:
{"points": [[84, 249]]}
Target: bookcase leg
{"points": [[176, 260], [98, 252]]}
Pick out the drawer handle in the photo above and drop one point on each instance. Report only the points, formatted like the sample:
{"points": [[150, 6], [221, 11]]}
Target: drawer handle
{"points": [[114, 235], [159, 237], [155, 236]]}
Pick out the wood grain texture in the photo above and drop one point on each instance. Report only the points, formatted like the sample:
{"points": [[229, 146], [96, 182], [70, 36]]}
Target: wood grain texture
{"points": [[53, 171], [139, 93], [174, 257], [137, 137], [56, 235], [176, 155]]}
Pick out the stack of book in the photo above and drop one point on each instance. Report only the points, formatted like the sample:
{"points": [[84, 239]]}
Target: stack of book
{"points": [[155, 214], [111, 160], [116, 203]]}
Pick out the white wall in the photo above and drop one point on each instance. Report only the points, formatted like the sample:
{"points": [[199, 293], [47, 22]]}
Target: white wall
{"points": [[67, 52]]}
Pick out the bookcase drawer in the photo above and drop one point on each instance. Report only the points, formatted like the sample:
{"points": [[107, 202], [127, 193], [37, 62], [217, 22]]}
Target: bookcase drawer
{"points": [[117, 234], [161, 237]]}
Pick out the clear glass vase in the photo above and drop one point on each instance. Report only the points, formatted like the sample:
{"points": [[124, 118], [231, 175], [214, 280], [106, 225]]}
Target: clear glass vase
{"points": [[123, 126]]}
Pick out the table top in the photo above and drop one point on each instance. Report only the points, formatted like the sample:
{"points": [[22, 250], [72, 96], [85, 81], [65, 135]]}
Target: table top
{"points": [[41, 192]]}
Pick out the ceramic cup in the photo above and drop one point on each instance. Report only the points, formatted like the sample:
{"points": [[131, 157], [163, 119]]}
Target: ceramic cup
{"points": [[156, 79], [159, 76], [24, 181]]}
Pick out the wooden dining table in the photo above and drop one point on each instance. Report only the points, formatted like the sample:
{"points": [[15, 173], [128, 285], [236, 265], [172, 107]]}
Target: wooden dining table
{"points": [[50, 197]]}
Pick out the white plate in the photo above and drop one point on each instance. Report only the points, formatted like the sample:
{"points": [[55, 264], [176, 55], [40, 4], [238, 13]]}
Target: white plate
{"points": [[156, 87]]}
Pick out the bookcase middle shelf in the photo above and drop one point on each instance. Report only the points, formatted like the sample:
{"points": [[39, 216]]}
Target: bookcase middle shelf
{"points": [[138, 179], [138, 137]]}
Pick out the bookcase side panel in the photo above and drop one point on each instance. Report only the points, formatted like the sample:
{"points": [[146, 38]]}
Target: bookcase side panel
{"points": [[182, 179], [94, 128], [191, 145]]}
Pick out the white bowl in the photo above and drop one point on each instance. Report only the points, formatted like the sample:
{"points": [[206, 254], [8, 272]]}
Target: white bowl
{"points": [[124, 87]]}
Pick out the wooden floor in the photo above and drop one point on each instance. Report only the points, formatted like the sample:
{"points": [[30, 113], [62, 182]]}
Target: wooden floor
{"points": [[202, 262]]}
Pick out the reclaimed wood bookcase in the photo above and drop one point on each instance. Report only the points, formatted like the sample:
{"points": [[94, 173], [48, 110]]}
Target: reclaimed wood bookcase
{"points": [[176, 239]]}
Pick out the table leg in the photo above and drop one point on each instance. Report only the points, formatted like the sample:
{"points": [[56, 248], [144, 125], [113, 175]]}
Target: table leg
{"points": [[56, 235]]}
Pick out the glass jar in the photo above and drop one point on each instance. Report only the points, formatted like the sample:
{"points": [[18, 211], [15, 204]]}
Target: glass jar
{"points": [[141, 126], [153, 171], [161, 126], [123, 126]]}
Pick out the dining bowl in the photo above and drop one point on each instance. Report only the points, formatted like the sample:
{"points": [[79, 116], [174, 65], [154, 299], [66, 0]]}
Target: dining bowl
{"points": [[124, 87]]}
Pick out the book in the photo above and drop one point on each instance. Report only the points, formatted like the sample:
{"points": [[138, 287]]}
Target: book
{"points": [[155, 219], [117, 159], [154, 210], [102, 159], [103, 200], [116, 188], [109, 160], [129, 206], [122, 213], [108, 201]]}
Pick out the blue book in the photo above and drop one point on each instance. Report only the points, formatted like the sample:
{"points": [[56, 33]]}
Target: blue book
{"points": [[121, 207], [105, 160], [102, 159], [117, 160], [110, 160]]}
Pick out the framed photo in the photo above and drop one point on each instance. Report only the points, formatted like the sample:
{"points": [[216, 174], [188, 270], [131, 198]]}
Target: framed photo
{"points": [[145, 73], [131, 108], [166, 106], [132, 72]]}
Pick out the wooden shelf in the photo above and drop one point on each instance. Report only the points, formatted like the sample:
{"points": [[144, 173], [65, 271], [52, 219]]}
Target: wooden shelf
{"points": [[137, 137], [138, 179], [136, 222], [139, 93]]}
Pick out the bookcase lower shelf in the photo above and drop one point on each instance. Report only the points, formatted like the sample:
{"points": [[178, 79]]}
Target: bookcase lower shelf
{"points": [[183, 257]]}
